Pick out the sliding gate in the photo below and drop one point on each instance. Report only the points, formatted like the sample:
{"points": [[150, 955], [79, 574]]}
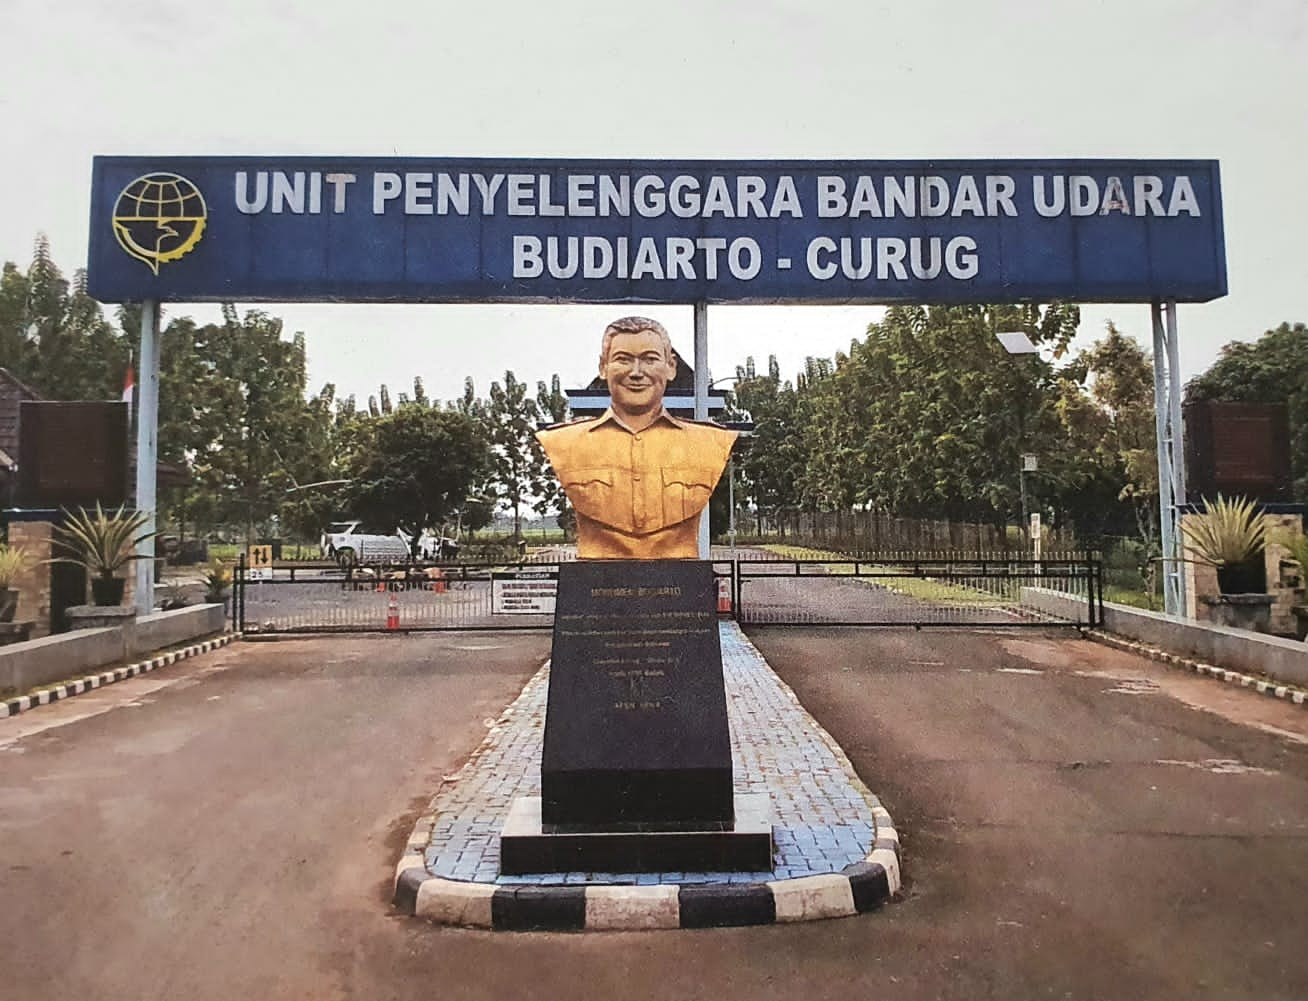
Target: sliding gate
{"points": [[917, 591], [756, 587], [321, 598]]}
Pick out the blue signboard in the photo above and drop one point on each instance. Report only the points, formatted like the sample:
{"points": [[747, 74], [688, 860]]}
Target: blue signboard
{"points": [[475, 230]]}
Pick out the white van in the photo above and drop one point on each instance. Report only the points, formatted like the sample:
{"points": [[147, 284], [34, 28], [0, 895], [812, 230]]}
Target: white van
{"points": [[349, 545]]}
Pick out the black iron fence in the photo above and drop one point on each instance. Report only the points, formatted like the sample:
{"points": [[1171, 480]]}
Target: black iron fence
{"points": [[755, 586], [917, 590]]}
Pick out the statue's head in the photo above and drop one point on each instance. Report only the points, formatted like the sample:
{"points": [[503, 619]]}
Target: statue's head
{"points": [[637, 362]]}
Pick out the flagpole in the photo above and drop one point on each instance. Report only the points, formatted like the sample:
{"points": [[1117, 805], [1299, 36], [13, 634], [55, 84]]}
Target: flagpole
{"points": [[129, 397]]}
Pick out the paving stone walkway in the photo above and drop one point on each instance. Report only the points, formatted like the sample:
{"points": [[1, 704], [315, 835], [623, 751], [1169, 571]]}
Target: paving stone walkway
{"points": [[822, 813]]}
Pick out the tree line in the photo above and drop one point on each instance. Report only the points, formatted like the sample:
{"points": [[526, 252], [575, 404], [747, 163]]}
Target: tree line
{"points": [[925, 416], [260, 452], [929, 416]]}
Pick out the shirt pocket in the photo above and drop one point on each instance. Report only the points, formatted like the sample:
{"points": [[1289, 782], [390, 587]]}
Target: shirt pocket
{"points": [[686, 491], [591, 492]]}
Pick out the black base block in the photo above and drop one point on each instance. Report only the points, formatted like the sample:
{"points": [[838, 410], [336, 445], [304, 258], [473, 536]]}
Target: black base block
{"points": [[636, 725], [528, 846], [597, 799]]}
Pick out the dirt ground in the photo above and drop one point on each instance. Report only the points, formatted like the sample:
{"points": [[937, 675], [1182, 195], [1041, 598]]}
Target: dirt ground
{"points": [[1077, 823]]}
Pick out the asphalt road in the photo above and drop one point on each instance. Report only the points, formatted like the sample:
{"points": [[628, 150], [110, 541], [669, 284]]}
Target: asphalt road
{"points": [[1077, 823]]}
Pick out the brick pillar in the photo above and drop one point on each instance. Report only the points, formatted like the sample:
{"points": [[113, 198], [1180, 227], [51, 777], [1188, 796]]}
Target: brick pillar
{"points": [[1200, 578], [33, 585], [1279, 526]]}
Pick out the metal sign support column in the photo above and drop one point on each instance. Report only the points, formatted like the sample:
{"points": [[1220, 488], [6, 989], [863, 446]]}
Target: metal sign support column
{"points": [[1171, 452], [147, 451], [701, 402]]}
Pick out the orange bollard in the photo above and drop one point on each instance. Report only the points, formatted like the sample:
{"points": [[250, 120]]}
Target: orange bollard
{"points": [[724, 596], [393, 613]]}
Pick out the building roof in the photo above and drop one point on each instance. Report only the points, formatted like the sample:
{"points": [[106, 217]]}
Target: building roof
{"points": [[25, 391]]}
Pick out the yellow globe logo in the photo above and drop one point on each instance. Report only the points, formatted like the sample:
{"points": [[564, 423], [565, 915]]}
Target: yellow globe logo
{"points": [[159, 218]]}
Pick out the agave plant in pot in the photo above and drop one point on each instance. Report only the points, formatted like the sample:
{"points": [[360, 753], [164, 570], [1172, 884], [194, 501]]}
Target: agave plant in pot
{"points": [[1229, 535], [14, 560], [103, 543]]}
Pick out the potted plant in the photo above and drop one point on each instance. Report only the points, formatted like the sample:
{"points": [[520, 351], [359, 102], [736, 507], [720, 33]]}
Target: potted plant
{"points": [[217, 578], [1229, 536], [103, 544], [14, 560]]}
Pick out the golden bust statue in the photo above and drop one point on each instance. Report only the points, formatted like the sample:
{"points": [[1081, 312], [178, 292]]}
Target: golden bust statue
{"points": [[638, 477]]}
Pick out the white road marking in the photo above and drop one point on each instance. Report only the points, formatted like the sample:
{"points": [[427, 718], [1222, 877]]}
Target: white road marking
{"points": [[1134, 686], [1219, 766]]}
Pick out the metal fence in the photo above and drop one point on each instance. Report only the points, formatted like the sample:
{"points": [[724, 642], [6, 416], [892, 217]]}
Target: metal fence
{"points": [[912, 590], [756, 587], [319, 597]]}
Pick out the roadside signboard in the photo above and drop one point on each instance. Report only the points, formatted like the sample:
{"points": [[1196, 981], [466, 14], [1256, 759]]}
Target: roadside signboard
{"points": [[524, 591], [389, 229]]}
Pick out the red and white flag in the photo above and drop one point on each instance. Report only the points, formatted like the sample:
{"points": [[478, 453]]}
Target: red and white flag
{"points": [[129, 385]]}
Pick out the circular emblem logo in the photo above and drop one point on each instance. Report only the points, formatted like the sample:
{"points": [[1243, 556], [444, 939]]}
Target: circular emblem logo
{"points": [[159, 218]]}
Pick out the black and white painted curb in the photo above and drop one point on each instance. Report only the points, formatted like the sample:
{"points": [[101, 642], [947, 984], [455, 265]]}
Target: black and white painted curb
{"points": [[855, 890], [68, 689], [1261, 685]]}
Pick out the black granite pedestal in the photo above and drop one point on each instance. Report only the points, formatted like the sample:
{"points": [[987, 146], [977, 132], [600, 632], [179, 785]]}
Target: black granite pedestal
{"points": [[741, 845], [636, 765]]}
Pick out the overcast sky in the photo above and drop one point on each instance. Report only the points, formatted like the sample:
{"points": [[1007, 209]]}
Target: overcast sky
{"points": [[763, 79]]}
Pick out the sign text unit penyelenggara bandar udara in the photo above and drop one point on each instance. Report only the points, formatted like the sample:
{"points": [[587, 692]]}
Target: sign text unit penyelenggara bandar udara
{"points": [[364, 229]]}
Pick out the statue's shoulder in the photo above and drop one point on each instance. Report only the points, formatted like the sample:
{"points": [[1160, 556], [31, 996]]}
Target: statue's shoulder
{"points": [[708, 429], [710, 439], [567, 427]]}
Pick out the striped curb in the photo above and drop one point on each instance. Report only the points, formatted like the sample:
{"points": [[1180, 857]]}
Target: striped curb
{"points": [[859, 888], [70, 688], [1288, 693]]}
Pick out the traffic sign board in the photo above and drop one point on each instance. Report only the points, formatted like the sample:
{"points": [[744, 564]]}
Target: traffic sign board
{"points": [[258, 562]]}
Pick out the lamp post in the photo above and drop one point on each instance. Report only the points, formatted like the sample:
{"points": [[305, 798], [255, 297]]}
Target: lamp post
{"points": [[1029, 465], [1016, 342]]}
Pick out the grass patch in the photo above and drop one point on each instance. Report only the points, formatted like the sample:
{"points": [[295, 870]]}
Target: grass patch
{"points": [[911, 586], [1127, 596]]}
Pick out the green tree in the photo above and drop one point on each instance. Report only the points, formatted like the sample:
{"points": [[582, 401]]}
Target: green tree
{"points": [[478, 508], [928, 416], [511, 423], [773, 463], [1272, 369], [1106, 405], [418, 469], [54, 336], [552, 408], [249, 435]]}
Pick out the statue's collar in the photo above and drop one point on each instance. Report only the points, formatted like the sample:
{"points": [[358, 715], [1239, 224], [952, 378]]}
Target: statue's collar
{"points": [[609, 415]]}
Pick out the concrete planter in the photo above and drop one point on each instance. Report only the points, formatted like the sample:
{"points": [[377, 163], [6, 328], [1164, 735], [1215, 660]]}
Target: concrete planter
{"points": [[53, 658], [1300, 613], [99, 616], [1240, 611]]}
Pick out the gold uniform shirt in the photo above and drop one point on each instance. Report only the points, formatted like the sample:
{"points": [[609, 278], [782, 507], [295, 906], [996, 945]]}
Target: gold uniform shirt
{"points": [[637, 494]]}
